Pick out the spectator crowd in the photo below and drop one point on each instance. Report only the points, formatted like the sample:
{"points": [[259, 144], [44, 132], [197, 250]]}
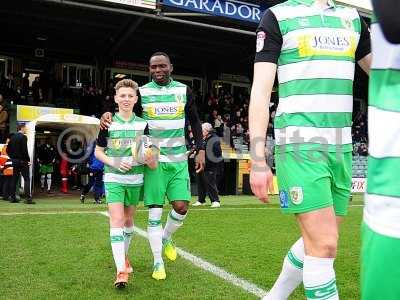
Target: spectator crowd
{"points": [[226, 112]]}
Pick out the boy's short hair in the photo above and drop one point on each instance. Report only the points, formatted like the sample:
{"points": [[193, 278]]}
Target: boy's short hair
{"points": [[127, 83]]}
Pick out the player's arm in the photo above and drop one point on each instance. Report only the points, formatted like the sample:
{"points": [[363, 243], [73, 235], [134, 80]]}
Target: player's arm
{"points": [[363, 52], [105, 120], [195, 124], [269, 44], [263, 81], [387, 12]]}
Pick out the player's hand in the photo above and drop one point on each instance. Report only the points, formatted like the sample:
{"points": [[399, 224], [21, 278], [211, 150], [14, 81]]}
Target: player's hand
{"points": [[261, 180], [105, 120], [124, 166], [200, 161]]}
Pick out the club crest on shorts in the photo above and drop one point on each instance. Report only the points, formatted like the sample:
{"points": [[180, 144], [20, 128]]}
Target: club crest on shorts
{"points": [[296, 194]]}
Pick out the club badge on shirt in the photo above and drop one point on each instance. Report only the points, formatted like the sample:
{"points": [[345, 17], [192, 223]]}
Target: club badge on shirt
{"points": [[260, 40], [347, 23]]}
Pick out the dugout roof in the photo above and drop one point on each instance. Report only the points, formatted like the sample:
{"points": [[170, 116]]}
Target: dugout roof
{"points": [[71, 33], [97, 33]]}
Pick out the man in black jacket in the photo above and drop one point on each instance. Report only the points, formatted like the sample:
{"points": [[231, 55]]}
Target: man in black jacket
{"points": [[207, 179], [18, 152]]}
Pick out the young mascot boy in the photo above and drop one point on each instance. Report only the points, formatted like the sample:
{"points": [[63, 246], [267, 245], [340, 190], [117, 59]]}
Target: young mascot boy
{"points": [[123, 175]]}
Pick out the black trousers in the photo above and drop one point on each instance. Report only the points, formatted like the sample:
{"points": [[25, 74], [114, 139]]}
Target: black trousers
{"points": [[96, 180], [207, 185], [6, 186], [20, 168], [3, 135]]}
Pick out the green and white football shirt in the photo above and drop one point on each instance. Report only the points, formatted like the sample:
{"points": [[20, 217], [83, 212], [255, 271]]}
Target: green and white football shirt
{"points": [[315, 50], [118, 141], [164, 110], [382, 209]]}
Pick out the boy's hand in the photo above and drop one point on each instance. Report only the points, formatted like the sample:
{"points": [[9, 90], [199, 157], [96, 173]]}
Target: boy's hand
{"points": [[124, 166], [151, 161], [105, 120]]}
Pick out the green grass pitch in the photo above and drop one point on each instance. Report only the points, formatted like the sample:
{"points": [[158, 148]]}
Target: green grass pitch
{"points": [[68, 255]]}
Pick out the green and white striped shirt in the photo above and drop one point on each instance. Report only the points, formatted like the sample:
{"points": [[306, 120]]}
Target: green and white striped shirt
{"points": [[164, 110], [315, 50], [382, 200], [118, 141]]}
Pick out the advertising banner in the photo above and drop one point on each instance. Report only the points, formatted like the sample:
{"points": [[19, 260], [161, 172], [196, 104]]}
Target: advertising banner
{"points": [[358, 185], [225, 8]]}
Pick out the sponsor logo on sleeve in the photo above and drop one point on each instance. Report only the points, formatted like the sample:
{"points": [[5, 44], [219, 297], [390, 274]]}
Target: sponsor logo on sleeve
{"points": [[260, 40]]}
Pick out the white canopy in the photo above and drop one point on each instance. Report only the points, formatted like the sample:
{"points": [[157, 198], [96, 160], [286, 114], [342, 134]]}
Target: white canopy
{"points": [[66, 123]]}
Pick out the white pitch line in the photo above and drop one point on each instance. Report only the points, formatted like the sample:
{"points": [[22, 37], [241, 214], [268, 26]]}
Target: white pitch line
{"points": [[48, 213], [141, 210], [209, 267]]}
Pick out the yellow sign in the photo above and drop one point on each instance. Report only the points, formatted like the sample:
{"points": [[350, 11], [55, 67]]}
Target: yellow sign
{"points": [[244, 168], [275, 189], [29, 113]]}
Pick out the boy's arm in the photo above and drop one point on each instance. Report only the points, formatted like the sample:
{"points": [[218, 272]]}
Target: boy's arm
{"points": [[101, 144], [101, 155]]}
